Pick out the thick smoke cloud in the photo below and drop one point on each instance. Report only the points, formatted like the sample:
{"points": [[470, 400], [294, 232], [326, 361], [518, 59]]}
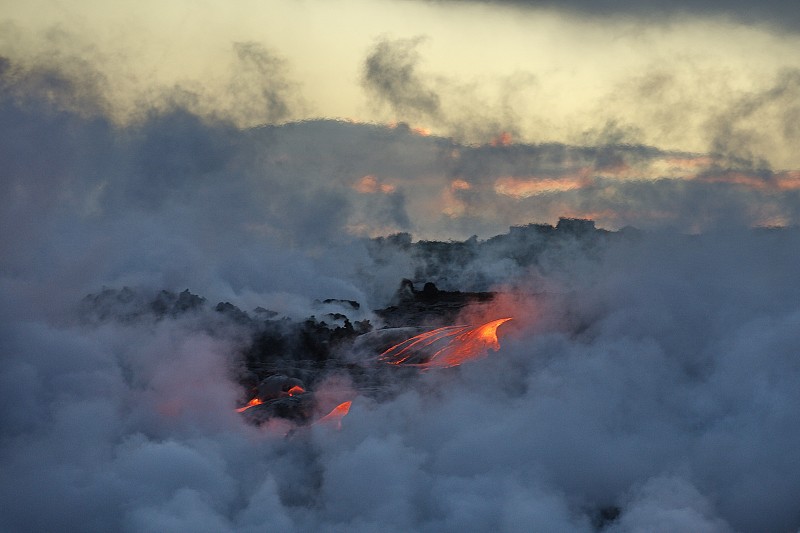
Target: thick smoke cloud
{"points": [[784, 15], [649, 382], [263, 85], [393, 77], [390, 73], [737, 131]]}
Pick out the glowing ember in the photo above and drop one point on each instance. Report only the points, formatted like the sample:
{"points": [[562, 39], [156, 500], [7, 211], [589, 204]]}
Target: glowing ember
{"points": [[297, 389], [450, 346], [251, 403], [336, 414]]}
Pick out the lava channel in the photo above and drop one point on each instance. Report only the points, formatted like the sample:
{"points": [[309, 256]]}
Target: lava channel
{"points": [[445, 347]]}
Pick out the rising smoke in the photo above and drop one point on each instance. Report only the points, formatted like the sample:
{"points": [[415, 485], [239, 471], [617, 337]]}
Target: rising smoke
{"points": [[650, 382], [774, 13]]}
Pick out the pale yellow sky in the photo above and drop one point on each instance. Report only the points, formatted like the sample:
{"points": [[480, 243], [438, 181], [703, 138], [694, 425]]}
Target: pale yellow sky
{"points": [[542, 74]]}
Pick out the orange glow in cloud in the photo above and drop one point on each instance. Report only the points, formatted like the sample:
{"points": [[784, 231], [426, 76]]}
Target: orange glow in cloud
{"points": [[526, 187], [369, 184], [419, 130], [504, 139], [773, 221], [781, 181], [680, 167], [453, 206], [698, 162], [460, 185], [788, 181]]}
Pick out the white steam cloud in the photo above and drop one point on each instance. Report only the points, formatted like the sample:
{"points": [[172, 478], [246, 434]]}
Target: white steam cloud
{"points": [[650, 383]]}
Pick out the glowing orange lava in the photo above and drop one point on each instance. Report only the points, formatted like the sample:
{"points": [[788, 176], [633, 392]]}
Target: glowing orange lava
{"points": [[451, 346], [297, 389], [336, 414], [251, 403]]}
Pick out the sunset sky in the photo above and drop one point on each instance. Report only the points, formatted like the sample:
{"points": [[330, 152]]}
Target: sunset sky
{"points": [[678, 78]]}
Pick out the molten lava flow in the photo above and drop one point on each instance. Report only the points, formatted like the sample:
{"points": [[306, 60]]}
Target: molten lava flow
{"points": [[336, 414], [451, 346], [251, 403], [257, 401]]}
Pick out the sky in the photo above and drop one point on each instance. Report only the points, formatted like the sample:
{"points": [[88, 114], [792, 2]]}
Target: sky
{"points": [[702, 98], [246, 151], [674, 77]]}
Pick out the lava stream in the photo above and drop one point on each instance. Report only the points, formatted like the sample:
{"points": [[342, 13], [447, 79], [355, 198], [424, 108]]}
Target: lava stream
{"points": [[297, 389], [336, 414], [451, 346], [251, 403]]}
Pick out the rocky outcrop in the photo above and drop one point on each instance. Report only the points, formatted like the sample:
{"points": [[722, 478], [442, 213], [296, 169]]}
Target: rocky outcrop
{"points": [[428, 307]]}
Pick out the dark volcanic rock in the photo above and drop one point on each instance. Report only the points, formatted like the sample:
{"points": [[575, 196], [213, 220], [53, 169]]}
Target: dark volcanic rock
{"points": [[128, 305], [168, 304], [298, 408], [428, 307], [280, 353], [469, 265], [310, 340], [277, 386], [233, 312], [347, 303]]}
